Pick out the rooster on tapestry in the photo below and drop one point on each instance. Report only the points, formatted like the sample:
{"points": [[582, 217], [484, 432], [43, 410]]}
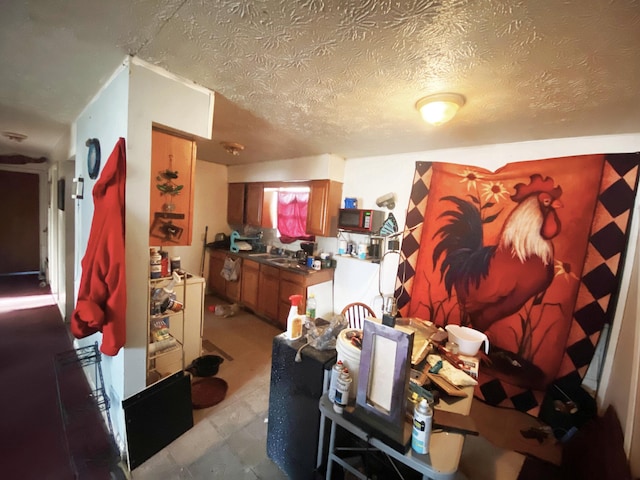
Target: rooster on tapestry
{"points": [[492, 282]]}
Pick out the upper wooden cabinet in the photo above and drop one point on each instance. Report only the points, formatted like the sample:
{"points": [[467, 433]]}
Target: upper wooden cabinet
{"points": [[324, 202], [253, 204], [235, 203], [173, 163]]}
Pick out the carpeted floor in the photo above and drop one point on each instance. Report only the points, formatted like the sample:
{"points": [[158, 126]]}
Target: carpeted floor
{"points": [[35, 437]]}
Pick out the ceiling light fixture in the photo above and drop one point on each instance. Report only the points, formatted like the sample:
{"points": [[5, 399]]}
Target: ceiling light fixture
{"points": [[232, 148], [16, 137], [439, 108]]}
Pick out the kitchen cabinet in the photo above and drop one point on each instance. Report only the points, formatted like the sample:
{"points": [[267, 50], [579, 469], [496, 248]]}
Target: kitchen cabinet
{"points": [[324, 202], [229, 290], [265, 288], [235, 203], [173, 163], [268, 291], [250, 280], [296, 284], [253, 204], [290, 284]]}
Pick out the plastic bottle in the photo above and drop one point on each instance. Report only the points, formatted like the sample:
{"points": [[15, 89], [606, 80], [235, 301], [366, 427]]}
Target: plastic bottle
{"points": [[311, 306], [175, 264], [421, 432], [155, 263], [164, 263], [294, 320], [164, 298]]}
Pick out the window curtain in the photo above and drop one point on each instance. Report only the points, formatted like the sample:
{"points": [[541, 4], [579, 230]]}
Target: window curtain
{"points": [[292, 216]]}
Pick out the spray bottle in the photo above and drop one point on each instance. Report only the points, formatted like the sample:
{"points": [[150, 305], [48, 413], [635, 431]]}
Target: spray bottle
{"points": [[294, 320], [421, 432]]}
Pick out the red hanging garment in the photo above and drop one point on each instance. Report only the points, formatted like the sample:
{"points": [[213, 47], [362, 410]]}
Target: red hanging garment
{"points": [[102, 296]]}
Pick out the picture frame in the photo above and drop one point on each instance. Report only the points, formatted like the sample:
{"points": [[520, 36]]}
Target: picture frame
{"points": [[383, 379]]}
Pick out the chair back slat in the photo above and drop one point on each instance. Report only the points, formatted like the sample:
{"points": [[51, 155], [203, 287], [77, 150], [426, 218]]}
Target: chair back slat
{"points": [[356, 312]]}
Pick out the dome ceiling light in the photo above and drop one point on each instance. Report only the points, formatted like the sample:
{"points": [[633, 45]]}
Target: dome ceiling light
{"points": [[232, 148], [14, 136], [439, 108]]}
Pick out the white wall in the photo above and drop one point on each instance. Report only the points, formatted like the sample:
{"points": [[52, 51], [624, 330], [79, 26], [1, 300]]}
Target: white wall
{"points": [[59, 262], [137, 96], [105, 118], [154, 97], [209, 210], [304, 168]]}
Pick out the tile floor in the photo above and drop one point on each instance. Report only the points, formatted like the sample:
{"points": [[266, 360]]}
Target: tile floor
{"points": [[228, 441]]}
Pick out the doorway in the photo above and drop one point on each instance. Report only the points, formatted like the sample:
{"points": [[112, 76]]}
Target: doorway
{"points": [[19, 229]]}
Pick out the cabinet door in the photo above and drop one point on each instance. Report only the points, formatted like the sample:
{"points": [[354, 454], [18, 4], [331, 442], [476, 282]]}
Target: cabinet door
{"points": [[290, 285], [235, 203], [268, 291], [250, 281], [216, 281], [233, 288], [253, 205], [324, 203], [171, 202]]}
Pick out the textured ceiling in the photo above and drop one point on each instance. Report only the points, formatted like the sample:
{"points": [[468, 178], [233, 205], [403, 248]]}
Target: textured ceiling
{"points": [[311, 77]]}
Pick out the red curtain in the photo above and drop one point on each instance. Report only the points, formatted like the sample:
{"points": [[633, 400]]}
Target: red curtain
{"points": [[292, 216]]}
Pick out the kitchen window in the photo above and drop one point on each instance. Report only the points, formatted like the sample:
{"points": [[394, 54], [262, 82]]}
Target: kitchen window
{"points": [[289, 210]]}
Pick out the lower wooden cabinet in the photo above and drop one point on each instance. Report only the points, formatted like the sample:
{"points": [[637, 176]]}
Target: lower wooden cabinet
{"points": [[250, 283], [218, 285], [268, 291], [265, 289], [290, 284]]}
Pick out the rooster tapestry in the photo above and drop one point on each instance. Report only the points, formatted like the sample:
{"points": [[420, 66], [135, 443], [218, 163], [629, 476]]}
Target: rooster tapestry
{"points": [[531, 255]]}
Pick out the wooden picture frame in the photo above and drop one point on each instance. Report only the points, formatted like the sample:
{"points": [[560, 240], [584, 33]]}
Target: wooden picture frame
{"points": [[384, 372]]}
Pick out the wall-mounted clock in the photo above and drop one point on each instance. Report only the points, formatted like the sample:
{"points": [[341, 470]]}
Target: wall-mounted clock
{"points": [[93, 157]]}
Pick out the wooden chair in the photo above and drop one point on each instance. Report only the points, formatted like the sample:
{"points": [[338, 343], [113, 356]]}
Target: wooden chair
{"points": [[356, 312]]}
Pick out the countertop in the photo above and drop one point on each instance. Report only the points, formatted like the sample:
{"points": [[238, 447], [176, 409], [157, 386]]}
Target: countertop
{"points": [[283, 262]]}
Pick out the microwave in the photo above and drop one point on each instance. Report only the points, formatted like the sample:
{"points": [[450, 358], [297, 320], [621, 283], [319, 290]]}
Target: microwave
{"points": [[360, 220]]}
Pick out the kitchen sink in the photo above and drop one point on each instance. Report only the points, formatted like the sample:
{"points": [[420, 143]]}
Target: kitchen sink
{"points": [[285, 261], [291, 263]]}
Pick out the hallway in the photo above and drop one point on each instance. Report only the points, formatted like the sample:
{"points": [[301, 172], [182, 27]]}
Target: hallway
{"points": [[227, 440], [37, 442]]}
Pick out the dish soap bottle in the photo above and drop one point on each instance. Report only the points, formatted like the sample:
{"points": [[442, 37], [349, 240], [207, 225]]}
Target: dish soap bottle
{"points": [[294, 320], [421, 432]]}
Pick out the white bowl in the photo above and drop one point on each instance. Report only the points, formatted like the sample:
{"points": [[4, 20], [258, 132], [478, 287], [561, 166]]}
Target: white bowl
{"points": [[468, 339]]}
